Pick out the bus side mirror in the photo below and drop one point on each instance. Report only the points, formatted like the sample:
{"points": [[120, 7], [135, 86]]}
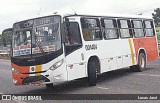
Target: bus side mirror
{"points": [[64, 38], [63, 33], [67, 22]]}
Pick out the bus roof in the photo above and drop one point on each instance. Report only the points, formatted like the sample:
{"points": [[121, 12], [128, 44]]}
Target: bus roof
{"points": [[113, 16], [97, 15]]}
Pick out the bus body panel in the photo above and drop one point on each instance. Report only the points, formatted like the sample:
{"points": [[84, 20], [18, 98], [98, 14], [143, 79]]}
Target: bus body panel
{"points": [[150, 46], [19, 76], [119, 53], [57, 75], [76, 64]]}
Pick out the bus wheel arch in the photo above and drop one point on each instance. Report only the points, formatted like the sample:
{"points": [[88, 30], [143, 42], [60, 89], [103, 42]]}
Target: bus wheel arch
{"points": [[141, 61], [93, 68], [97, 60], [142, 51]]}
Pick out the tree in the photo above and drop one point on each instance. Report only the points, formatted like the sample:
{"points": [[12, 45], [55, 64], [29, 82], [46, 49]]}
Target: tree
{"points": [[1, 43], [156, 16]]}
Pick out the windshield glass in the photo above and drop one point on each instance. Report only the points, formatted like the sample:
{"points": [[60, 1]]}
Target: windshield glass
{"points": [[37, 37]]}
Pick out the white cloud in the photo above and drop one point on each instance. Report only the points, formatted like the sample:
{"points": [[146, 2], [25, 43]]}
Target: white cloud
{"points": [[17, 10], [17, 6]]}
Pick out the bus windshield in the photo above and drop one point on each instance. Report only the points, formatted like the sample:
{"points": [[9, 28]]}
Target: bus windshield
{"points": [[36, 37]]}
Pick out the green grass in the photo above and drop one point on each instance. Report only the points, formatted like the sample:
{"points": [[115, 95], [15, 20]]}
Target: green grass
{"points": [[158, 35]]}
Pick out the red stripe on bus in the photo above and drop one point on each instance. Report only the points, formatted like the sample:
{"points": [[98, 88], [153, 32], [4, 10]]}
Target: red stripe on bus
{"points": [[19, 77], [149, 44]]}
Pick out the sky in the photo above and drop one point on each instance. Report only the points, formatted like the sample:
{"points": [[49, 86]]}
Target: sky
{"points": [[12, 11]]}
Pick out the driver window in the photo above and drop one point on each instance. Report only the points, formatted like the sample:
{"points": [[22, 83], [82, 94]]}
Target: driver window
{"points": [[73, 35], [73, 38]]}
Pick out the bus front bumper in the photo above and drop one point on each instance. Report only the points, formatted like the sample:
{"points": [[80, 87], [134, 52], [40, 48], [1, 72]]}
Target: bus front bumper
{"points": [[45, 78], [35, 80]]}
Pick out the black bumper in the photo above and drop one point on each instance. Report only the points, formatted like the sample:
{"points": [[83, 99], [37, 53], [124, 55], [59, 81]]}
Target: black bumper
{"points": [[33, 79]]}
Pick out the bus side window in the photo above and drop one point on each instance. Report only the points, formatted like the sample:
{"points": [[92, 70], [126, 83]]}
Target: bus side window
{"points": [[110, 30], [86, 34], [73, 35], [73, 38], [148, 24], [125, 28], [138, 28], [91, 29]]}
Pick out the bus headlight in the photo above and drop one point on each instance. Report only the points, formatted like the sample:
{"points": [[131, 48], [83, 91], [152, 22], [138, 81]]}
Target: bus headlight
{"points": [[15, 71], [57, 64]]}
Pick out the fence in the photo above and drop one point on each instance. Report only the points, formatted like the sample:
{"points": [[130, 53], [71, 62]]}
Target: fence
{"points": [[4, 54]]}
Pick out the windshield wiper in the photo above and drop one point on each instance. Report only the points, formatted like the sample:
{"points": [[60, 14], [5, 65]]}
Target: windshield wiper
{"points": [[40, 46]]}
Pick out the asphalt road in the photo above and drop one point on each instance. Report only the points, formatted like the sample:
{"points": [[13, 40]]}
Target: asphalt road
{"points": [[122, 81]]}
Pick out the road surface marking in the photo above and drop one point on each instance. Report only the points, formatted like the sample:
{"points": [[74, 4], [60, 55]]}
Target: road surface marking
{"points": [[152, 75], [153, 65], [103, 88]]}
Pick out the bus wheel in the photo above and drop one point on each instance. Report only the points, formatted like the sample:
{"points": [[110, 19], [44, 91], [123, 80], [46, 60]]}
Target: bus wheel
{"points": [[92, 76], [49, 85], [141, 66]]}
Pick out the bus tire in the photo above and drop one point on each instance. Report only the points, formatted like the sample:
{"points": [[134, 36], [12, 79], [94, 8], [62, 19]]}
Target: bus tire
{"points": [[49, 85], [141, 66], [92, 75]]}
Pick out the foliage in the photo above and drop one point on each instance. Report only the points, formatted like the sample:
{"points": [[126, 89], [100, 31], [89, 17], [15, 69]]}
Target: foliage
{"points": [[156, 16], [1, 43], [158, 36]]}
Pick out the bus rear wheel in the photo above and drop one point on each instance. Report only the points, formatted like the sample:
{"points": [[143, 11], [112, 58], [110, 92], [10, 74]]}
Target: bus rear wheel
{"points": [[141, 66], [92, 75]]}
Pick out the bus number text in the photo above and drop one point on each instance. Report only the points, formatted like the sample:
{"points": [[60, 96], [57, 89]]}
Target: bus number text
{"points": [[91, 47]]}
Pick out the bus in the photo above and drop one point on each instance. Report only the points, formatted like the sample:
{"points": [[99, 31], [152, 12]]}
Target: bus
{"points": [[6, 38], [54, 49], [6, 43]]}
